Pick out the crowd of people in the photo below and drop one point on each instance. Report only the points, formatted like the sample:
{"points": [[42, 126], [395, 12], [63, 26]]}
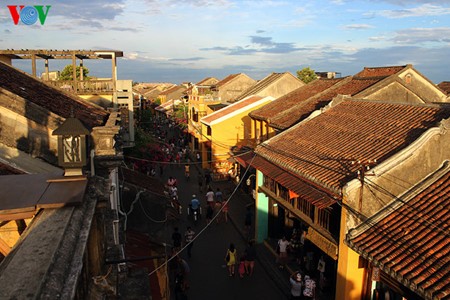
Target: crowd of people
{"points": [[173, 150]]}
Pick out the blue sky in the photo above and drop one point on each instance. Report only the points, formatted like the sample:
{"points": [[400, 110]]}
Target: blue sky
{"points": [[188, 40]]}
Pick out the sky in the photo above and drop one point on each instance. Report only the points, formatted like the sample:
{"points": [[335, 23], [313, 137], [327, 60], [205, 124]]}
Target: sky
{"points": [[188, 40]]}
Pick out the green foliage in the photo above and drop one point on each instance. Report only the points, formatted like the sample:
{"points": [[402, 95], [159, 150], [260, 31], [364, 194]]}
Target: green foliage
{"points": [[67, 73], [157, 101], [142, 140], [306, 75]]}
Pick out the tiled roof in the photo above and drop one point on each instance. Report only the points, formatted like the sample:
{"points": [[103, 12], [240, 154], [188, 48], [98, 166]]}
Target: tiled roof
{"points": [[287, 101], [321, 149], [350, 86], [409, 239], [172, 89], [52, 99], [208, 81], [445, 86], [380, 71], [261, 85], [227, 79], [308, 190], [229, 109]]}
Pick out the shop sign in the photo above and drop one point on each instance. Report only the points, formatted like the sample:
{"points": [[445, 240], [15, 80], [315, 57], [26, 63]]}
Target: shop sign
{"points": [[323, 243]]}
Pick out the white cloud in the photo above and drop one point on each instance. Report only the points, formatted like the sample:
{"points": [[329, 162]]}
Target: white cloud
{"points": [[415, 36], [358, 26], [420, 11]]}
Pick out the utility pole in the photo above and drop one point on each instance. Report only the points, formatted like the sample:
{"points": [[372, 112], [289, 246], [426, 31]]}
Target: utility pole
{"points": [[363, 166]]}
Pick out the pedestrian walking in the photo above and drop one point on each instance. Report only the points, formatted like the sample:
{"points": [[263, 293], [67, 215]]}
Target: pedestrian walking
{"points": [[296, 285], [185, 269], [218, 195], [282, 249], [176, 238], [321, 270], [189, 238], [295, 246], [217, 211], [209, 214], [248, 220], [309, 291], [230, 258], [200, 181], [250, 255], [241, 268], [186, 171], [207, 179], [225, 211], [210, 197]]}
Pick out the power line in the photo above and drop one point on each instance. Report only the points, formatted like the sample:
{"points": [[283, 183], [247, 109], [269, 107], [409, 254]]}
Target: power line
{"points": [[207, 225]]}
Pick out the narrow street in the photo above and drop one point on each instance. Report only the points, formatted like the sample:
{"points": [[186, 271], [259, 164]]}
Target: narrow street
{"points": [[209, 278]]}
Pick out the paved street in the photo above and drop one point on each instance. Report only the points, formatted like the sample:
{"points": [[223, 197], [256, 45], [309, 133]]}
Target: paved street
{"points": [[209, 277]]}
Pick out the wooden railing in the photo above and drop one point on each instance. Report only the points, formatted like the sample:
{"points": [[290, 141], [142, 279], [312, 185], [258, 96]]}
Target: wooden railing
{"points": [[84, 87]]}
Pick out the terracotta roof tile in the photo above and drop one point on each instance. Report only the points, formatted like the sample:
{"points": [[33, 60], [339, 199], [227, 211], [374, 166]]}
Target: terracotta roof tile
{"points": [[173, 89], [350, 86], [411, 242], [230, 109], [445, 86], [52, 99], [227, 79], [320, 149], [380, 71], [285, 102]]}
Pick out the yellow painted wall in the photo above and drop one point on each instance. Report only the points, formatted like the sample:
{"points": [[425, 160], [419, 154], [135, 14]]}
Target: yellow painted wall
{"points": [[349, 281], [237, 130]]}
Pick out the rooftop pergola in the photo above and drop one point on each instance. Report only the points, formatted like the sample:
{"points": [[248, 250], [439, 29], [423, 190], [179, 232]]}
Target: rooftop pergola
{"points": [[11, 54]]}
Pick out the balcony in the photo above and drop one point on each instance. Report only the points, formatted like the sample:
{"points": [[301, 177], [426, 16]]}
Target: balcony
{"points": [[86, 87]]}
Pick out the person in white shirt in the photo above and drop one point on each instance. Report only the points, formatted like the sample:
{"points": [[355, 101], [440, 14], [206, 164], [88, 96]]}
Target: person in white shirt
{"points": [[283, 245], [210, 198]]}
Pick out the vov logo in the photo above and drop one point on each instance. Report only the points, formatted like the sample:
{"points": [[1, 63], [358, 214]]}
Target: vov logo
{"points": [[28, 14]]}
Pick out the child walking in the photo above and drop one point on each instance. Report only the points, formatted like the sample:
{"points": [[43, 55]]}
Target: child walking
{"points": [[241, 268]]}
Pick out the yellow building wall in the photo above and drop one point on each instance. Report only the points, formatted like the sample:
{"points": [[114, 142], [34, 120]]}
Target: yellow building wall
{"points": [[237, 130], [349, 281]]}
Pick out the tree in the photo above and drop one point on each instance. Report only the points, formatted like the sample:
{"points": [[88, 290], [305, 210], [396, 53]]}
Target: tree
{"points": [[306, 75], [67, 73]]}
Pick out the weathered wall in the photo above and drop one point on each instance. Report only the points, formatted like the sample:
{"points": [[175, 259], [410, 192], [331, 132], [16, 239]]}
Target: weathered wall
{"points": [[234, 88], [28, 127], [283, 86]]}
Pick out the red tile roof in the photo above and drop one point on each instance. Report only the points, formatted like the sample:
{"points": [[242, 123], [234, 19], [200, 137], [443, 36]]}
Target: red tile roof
{"points": [[349, 86], [52, 99], [285, 102], [227, 79], [229, 109], [410, 239], [380, 71], [307, 189], [173, 89], [321, 149], [445, 86]]}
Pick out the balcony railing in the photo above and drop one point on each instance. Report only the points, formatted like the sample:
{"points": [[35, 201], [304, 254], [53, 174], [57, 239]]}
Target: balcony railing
{"points": [[84, 87]]}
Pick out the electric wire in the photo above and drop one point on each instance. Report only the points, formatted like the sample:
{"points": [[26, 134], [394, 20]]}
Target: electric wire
{"points": [[207, 225]]}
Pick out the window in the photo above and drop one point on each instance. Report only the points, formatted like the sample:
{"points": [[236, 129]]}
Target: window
{"points": [[208, 130], [194, 115]]}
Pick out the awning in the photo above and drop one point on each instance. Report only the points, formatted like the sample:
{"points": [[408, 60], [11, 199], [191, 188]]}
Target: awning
{"points": [[244, 159], [42, 191], [303, 188]]}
